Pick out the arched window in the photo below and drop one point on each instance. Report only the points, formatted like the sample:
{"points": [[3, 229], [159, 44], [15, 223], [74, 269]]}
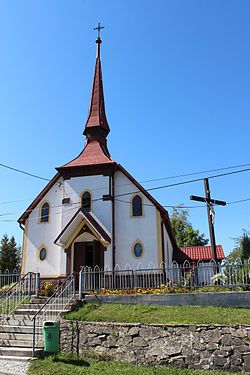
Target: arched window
{"points": [[137, 206], [44, 213], [137, 250], [86, 201]]}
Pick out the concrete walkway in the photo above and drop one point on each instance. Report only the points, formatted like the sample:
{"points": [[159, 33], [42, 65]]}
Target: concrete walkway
{"points": [[13, 366]]}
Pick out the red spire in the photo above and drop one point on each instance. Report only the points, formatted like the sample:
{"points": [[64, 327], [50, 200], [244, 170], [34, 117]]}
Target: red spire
{"points": [[97, 117]]}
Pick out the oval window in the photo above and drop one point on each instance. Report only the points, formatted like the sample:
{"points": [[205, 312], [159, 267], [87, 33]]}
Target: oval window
{"points": [[138, 250], [43, 254]]}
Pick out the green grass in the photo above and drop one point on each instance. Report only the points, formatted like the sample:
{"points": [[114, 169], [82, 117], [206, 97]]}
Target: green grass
{"points": [[69, 364], [160, 314]]}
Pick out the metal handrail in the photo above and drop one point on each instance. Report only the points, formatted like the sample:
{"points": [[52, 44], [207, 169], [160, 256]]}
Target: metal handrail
{"points": [[13, 286], [53, 295], [18, 293], [68, 288]]}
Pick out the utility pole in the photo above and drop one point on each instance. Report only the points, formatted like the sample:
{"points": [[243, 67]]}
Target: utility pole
{"points": [[210, 214]]}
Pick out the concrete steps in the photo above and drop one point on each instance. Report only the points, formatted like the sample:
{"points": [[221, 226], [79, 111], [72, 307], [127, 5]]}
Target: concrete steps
{"points": [[16, 336], [16, 329], [16, 332], [17, 351], [19, 343]]}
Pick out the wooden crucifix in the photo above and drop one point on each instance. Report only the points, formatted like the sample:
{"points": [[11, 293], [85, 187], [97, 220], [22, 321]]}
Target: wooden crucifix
{"points": [[210, 214]]}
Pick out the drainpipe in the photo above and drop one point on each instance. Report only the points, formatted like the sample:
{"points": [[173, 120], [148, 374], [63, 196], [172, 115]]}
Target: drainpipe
{"points": [[21, 226], [163, 252], [113, 219]]}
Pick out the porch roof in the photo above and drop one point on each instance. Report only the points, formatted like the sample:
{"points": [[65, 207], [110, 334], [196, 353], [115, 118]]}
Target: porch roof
{"points": [[80, 220]]}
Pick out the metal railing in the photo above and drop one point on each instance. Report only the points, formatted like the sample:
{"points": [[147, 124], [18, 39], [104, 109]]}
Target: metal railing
{"points": [[175, 276], [18, 293], [53, 308], [8, 278]]}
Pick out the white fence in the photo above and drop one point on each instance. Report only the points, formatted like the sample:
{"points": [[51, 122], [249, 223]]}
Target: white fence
{"points": [[174, 276]]}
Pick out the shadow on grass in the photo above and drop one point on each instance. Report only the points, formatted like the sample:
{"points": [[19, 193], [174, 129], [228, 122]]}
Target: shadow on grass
{"points": [[72, 361], [67, 359]]}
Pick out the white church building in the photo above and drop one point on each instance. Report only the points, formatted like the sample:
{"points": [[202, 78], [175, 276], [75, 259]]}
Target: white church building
{"points": [[93, 212]]}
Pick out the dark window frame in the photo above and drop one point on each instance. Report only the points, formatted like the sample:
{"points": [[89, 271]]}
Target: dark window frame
{"points": [[137, 206], [42, 250], [86, 206], [45, 211], [141, 249]]}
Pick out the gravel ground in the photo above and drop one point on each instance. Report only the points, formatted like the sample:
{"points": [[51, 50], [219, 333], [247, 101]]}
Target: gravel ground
{"points": [[13, 367]]}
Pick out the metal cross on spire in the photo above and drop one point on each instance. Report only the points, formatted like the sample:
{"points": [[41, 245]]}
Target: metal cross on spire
{"points": [[99, 28]]}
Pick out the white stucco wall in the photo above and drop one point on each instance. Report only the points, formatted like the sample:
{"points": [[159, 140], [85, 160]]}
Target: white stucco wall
{"points": [[130, 229], [43, 235], [97, 186]]}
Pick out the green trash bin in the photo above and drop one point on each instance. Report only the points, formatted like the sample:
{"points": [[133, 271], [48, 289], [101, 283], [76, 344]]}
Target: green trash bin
{"points": [[51, 331]]}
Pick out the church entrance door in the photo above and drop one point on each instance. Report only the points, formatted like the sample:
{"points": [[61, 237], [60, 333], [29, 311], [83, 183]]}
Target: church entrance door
{"points": [[88, 254]]}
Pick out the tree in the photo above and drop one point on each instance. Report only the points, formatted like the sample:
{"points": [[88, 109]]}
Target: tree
{"points": [[14, 254], [9, 254], [241, 249], [185, 234]]}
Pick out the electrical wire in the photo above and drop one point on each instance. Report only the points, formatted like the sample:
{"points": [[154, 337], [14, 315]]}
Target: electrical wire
{"points": [[177, 207], [141, 182], [24, 172], [154, 188]]}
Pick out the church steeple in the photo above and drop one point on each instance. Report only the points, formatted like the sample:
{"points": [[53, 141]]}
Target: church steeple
{"points": [[97, 127], [95, 152]]}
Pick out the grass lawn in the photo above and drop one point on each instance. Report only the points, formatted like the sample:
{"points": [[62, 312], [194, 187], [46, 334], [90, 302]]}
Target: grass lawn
{"points": [[69, 364], [160, 314]]}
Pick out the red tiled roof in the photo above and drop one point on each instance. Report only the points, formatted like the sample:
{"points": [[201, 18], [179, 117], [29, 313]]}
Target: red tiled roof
{"points": [[91, 154], [202, 252]]}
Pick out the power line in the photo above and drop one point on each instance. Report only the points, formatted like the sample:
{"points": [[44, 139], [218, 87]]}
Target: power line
{"points": [[178, 207], [23, 172], [195, 173], [155, 188], [185, 182], [141, 182]]}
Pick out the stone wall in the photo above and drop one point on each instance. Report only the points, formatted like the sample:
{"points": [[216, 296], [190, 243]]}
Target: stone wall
{"points": [[190, 346], [234, 299]]}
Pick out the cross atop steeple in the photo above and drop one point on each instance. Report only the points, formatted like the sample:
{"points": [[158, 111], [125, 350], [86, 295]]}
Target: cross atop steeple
{"points": [[98, 28]]}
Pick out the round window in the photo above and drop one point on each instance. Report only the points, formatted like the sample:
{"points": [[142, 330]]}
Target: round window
{"points": [[138, 250], [43, 254]]}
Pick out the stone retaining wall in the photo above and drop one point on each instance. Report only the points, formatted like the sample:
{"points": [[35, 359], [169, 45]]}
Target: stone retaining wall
{"points": [[190, 346], [233, 299]]}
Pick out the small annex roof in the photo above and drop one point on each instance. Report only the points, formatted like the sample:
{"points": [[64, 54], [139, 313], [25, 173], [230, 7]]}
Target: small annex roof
{"points": [[195, 253], [73, 227]]}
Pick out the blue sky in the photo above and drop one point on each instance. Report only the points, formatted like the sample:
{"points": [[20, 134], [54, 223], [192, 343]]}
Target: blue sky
{"points": [[177, 90]]}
